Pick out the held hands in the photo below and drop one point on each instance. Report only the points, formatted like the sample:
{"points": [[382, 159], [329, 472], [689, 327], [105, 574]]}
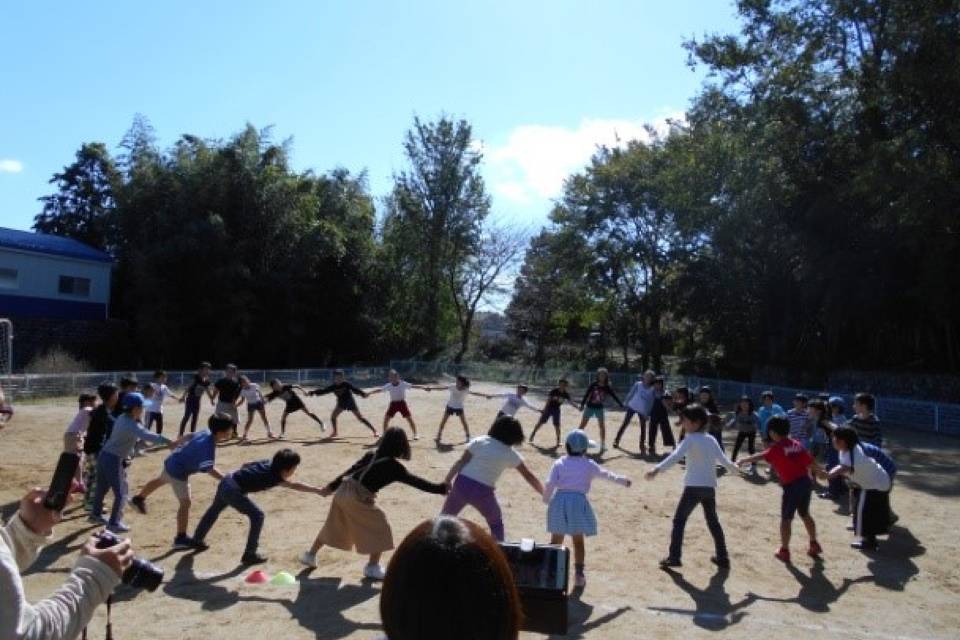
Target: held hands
{"points": [[324, 491], [118, 557]]}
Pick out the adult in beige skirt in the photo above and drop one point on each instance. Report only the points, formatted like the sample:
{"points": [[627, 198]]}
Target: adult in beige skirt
{"points": [[355, 522]]}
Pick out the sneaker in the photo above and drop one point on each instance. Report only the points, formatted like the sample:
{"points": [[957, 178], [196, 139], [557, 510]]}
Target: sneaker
{"points": [[580, 580], [865, 545], [118, 528], [667, 563], [199, 546], [815, 549], [826, 495], [97, 519], [616, 444], [139, 503], [416, 437], [309, 559], [182, 542], [783, 555], [252, 558], [723, 563], [850, 527], [373, 572]]}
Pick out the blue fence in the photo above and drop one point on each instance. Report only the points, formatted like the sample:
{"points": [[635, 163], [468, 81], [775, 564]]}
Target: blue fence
{"points": [[933, 417]]}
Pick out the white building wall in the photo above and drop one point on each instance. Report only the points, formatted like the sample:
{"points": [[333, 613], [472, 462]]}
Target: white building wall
{"points": [[38, 276]]}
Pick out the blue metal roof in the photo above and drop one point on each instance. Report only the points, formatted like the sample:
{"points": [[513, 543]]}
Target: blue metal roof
{"points": [[50, 245]]}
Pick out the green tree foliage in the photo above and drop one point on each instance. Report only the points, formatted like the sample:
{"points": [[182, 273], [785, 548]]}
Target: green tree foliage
{"points": [[432, 225], [804, 214], [84, 204]]}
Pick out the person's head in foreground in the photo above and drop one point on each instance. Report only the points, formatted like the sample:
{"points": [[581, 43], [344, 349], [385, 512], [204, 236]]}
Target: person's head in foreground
{"points": [[448, 580]]}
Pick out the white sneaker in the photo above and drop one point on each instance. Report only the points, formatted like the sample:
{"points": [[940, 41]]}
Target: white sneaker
{"points": [[373, 572], [309, 559], [580, 580]]}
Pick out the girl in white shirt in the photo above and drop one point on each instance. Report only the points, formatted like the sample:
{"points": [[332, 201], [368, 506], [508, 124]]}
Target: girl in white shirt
{"points": [[702, 453], [256, 405], [871, 490], [458, 393], [480, 467]]}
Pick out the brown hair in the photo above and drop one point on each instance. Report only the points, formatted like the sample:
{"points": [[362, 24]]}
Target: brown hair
{"points": [[449, 579]]}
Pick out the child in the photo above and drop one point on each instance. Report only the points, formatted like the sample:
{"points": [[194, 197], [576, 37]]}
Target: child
{"points": [[835, 487], [6, 410], [354, 521], [660, 417], [195, 453], [148, 392], [397, 390], [288, 393], [454, 407], [551, 409], [344, 391], [592, 404], [478, 470], [768, 409], [747, 423], [191, 398], [111, 469], [161, 393], [703, 453], [226, 391], [77, 429], [101, 427], [234, 489], [250, 393], [681, 398], [128, 384], [639, 402], [709, 403], [871, 491], [512, 402], [793, 464], [888, 465], [822, 428], [569, 512], [865, 423], [799, 417]]}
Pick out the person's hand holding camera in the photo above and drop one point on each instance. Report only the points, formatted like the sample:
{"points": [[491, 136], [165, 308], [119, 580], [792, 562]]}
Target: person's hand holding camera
{"points": [[38, 518], [118, 557]]}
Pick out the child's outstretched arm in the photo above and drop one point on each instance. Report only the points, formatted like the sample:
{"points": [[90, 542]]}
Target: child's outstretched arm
{"points": [[600, 471], [216, 473], [302, 487], [613, 394], [457, 466], [322, 391], [722, 458], [670, 460], [374, 392], [531, 479], [757, 457]]}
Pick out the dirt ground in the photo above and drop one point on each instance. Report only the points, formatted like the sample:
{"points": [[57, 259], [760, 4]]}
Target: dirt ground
{"points": [[909, 589]]}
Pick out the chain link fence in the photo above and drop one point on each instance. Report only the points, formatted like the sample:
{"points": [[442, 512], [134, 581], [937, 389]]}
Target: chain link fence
{"points": [[903, 412], [913, 414]]}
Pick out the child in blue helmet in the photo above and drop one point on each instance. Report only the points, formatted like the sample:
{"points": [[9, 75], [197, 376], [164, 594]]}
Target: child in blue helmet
{"points": [[569, 512]]}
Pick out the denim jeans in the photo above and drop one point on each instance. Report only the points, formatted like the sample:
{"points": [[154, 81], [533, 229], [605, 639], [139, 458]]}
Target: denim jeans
{"points": [[692, 496], [110, 475], [230, 495]]}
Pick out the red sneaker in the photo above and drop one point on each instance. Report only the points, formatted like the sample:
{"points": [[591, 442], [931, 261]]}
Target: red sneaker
{"points": [[783, 555], [815, 549]]}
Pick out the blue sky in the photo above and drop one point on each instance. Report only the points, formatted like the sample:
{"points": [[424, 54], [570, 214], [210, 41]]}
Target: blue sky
{"points": [[541, 82]]}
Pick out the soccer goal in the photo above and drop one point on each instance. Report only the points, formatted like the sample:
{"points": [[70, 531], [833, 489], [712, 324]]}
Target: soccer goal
{"points": [[6, 347]]}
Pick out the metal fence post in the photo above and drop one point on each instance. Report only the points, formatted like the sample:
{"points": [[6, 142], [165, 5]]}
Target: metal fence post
{"points": [[936, 418]]}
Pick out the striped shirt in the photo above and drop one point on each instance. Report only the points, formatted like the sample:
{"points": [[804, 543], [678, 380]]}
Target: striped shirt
{"points": [[868, 429], [799, 424]]}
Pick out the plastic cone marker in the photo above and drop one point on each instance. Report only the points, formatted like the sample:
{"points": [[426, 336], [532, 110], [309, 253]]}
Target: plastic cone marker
{"points": [[257, 577], [283, 578]]}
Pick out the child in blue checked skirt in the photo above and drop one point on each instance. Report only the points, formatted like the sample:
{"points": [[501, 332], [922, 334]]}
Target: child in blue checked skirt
{"points": [[569, 512]]}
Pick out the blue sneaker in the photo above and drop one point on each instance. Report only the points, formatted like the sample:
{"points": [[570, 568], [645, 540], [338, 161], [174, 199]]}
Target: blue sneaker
{"points": [[118, 528]]}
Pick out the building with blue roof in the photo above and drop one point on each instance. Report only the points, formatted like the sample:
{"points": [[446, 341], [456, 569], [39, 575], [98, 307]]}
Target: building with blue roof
{"points": [[47, 276]]}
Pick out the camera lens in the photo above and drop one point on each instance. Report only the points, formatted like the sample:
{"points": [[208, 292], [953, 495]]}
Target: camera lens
{"points": [[143, 574]]}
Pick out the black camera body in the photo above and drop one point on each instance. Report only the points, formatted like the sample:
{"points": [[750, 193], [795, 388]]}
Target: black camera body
{"points": [[141, 574]]}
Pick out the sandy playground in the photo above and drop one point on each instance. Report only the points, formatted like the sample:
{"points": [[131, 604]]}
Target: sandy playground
{"points": [[909, 589]]}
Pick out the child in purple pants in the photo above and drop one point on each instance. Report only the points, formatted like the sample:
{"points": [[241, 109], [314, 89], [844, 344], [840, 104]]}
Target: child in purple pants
{"points": [[477, 471]]}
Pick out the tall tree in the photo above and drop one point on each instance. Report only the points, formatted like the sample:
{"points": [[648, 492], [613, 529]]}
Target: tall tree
{"points": [[84, 204], [433, 220], [482, 277]]}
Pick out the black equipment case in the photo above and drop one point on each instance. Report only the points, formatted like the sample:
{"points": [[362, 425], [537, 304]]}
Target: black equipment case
{"points": [[541, 577]]}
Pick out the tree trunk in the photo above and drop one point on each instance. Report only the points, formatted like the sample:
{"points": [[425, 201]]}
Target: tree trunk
{"points": [[464, 337], [655, 346]]}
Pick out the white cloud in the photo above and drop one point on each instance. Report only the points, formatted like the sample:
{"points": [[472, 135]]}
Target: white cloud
{"points": [[529, 167], [10, 166]]}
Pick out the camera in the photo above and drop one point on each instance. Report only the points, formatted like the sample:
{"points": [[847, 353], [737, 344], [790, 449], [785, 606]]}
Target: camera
{"points": [[141, 574]]}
